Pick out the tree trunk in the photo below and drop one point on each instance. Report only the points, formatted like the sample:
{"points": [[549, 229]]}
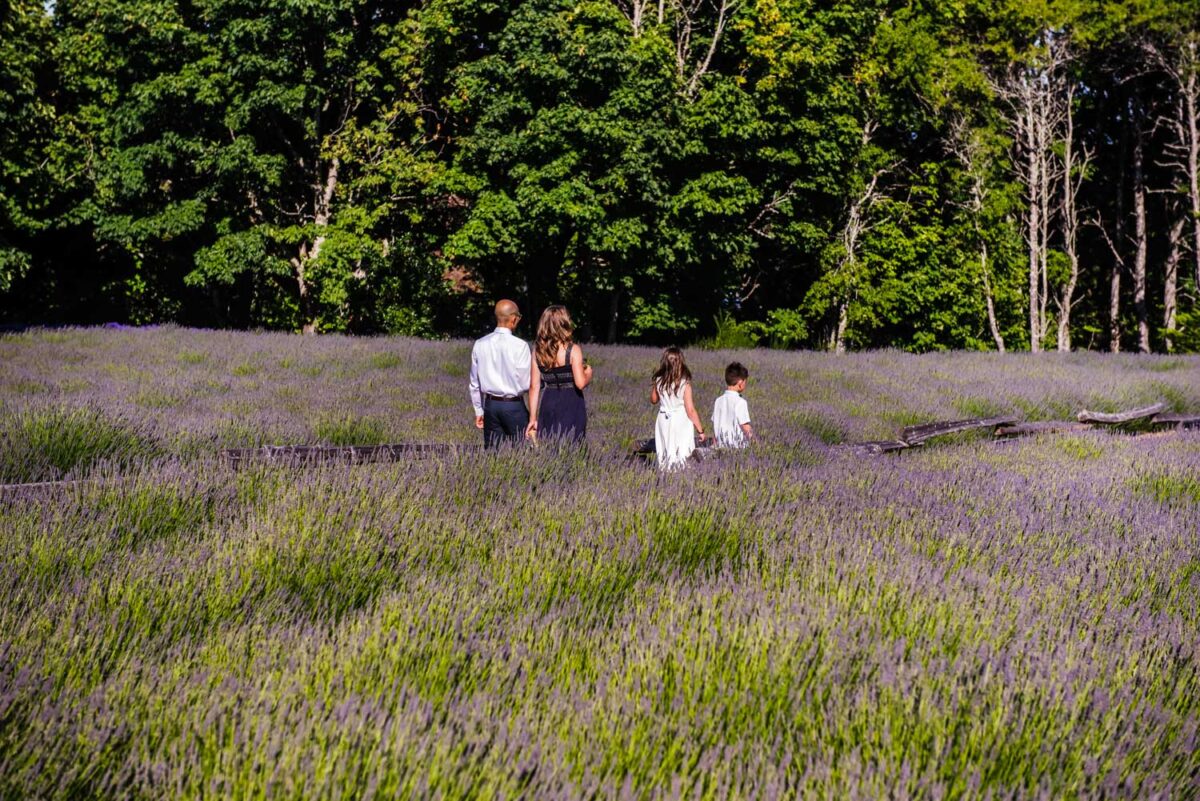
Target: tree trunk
{"points": [[975, 161], [1070, 222], [1033, 227], [1139, 234], [1191, 97], [1118, 263], [614, 308], [323, 192], [1044, 193], [1180, 60], [839, 335], [1035, 92], [997, 337], [1171, 278], [857, 224], [1114, 308]]}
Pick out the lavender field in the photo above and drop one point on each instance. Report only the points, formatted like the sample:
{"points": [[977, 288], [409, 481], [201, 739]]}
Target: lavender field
{"points": [[966, 620]]}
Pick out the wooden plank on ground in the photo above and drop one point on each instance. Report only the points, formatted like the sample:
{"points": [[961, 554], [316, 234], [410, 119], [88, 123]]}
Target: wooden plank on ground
{"points": [[354, 454], [1121, 417], [645, 447], [38, 486], [914, 435], [875, 447], [1042, 427], [1181, 420]]}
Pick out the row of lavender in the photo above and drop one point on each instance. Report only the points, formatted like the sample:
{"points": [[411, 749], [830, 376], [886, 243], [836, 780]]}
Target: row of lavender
{"points": [[1018, 620], [184, 392]]}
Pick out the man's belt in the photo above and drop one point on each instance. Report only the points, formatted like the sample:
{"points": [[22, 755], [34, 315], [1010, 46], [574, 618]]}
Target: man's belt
{"points": [[490, 396]]}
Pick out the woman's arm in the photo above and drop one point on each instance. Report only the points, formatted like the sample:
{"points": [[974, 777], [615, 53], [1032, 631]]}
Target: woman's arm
{"points": [[690, 408], [582, 373], [535, 392]]}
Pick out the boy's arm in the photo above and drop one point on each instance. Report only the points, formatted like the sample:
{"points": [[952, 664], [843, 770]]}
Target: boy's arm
{"points": [[743, 419]]}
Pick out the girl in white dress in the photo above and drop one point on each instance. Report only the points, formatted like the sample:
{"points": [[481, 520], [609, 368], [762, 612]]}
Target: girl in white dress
{"points": [[677, 419]]}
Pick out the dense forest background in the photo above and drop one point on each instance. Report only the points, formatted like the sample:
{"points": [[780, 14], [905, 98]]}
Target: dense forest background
{"points": [[1006, 174]]}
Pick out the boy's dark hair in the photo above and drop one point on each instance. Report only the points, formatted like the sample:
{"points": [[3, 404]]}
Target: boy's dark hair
{"points": [[734, 373]]}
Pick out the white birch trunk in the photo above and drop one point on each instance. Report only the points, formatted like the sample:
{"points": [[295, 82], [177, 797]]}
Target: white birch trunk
{"points": [[974, 159], [1072, 179], [1139, 237], [323, 192], [997, 337], [1171, 278], [1191, 106]]}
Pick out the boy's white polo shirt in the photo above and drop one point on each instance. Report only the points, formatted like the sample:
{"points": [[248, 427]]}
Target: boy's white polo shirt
{"points": [[730, 413]]}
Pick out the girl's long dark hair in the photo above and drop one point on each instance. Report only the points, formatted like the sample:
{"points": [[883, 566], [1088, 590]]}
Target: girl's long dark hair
{"points": [[554, 330], [672, 371]]}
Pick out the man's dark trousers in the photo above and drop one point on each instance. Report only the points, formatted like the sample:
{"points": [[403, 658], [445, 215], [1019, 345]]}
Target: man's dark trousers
{"points": [[503, 420]]}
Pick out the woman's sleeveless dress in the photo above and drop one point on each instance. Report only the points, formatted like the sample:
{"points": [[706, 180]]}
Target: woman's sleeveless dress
{"points": [[562, 411], [674, 437]]}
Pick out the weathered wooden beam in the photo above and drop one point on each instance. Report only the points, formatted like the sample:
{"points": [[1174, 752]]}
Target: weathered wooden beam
{"points": [[31, 487], [645, 447], [1180, 420], [875, 447], [914, 435], [354, 454], [1120, 417], [1041, 427]]}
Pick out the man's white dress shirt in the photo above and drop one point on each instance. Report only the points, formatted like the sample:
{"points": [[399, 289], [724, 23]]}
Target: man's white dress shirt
{"points": [[730, 412], [499, 366]]}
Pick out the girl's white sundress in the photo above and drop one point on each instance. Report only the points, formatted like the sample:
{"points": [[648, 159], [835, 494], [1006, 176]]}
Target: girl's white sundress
{"points": [[673, 437]]}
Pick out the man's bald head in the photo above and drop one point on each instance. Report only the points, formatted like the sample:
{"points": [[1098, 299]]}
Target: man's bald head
{"points": [[507, 314]]}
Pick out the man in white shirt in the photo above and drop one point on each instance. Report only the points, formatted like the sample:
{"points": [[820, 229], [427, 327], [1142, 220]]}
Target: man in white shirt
{"points": [[499, 376], [731, 414]]}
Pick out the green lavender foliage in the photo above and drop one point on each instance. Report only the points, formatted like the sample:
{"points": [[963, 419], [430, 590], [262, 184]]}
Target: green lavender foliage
{"points": [[788, 621]]}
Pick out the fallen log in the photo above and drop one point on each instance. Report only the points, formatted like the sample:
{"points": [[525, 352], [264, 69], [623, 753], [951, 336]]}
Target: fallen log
{"points": [[914, 435], [1179, 420], [645, 447], [1120, 417], [354, 454], [875, 447], [39, 486], [1042, 427]]}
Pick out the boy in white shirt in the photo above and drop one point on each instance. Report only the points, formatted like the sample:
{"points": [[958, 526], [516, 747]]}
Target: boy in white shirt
{"points": [[731, 414]]}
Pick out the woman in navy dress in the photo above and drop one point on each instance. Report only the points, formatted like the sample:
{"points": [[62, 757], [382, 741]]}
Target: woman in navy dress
{"points": [[557, 378]]}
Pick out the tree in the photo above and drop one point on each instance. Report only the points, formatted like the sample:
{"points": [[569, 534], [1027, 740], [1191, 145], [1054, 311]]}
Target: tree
{"points": [[1172, 48], [293, 167], [969, 148], [27, 120]]}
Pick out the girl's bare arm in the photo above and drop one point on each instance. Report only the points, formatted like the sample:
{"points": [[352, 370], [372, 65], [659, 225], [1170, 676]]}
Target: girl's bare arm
{"points": [[690, 408], [535, 392], [582, 373]]}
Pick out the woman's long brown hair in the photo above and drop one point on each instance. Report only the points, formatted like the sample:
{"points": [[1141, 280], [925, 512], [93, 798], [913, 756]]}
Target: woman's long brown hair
{"points": [[554, 330], [672, 371]]}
